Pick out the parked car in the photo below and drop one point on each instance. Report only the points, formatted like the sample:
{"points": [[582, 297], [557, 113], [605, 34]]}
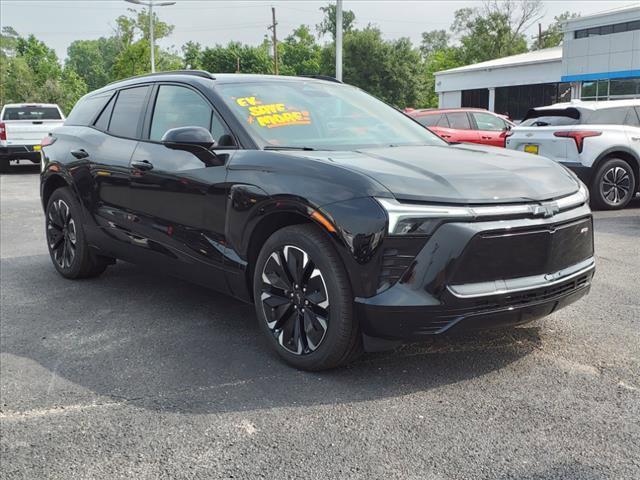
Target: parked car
{"points": [[599, 141], [473, 125], [348, 225], [22, 127]]}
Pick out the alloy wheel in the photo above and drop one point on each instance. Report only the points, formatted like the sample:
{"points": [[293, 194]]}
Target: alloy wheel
{"points": [[295, 300], [61, 234], [615, 185]]}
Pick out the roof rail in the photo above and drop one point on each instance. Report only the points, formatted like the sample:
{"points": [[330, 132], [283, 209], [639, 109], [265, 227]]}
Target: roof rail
{"points": [[195, 73], [322, 77]]}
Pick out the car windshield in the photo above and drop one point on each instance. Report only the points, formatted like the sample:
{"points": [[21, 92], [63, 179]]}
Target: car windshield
{"points": [[29, 112], [320, 115]]}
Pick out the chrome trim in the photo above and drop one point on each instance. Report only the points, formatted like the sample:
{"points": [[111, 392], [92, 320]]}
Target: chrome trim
{"points": [[487, 289], [397, 211]]}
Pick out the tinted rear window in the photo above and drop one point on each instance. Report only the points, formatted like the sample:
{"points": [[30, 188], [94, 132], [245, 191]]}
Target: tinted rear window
{"points": [[31, 113], [87, 108], [551, 117], [428, 120], [127, 111]]}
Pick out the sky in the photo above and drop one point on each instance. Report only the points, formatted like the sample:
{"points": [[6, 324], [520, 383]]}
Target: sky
{"points": [[60, 22]]}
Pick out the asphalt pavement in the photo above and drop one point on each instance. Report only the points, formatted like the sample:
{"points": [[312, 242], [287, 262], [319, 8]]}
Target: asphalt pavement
{"points": [[135, 375]]}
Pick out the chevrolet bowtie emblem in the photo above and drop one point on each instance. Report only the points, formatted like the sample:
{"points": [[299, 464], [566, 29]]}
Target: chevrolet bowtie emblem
{"points": [[547, 210]]}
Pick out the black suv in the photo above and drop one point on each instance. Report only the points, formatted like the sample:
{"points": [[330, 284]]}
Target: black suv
{"points": [[347, 223]]}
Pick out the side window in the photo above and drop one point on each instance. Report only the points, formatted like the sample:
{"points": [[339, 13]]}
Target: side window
{"points": [[182, 107], [486, 121], [129, 106], [459, 120], [443, 122], [633, 117], [87, 108], [429, 120], [102, 123], [608, 116]]}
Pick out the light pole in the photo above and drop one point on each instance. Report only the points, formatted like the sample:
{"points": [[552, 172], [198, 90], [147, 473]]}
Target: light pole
{"points": [[151, 4], [339, 40]]}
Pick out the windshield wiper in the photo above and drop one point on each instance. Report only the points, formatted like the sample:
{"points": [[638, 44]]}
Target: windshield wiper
{"points": [[288, 147]]}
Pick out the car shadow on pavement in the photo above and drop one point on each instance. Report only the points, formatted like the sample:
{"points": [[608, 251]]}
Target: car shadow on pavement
{"points": [[163, 344]]}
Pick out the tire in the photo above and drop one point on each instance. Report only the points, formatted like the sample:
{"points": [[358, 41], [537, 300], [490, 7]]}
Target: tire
{"points": [[4, 166], [307, 313], [613, 186], [66, 240]]}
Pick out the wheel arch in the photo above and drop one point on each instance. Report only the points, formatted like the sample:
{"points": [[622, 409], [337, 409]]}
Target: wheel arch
{"points": [[622, 153], [50, 185]]}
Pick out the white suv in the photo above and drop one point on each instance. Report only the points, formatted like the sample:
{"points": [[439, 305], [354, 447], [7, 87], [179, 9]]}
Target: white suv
{"points": [[599, 141]]}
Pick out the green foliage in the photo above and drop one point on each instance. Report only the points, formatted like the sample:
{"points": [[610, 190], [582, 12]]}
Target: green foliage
{"points": [[31, 73], [299, 54], [433, 41], [224, 59], [328, 23], [552, 36], [93, 60]]}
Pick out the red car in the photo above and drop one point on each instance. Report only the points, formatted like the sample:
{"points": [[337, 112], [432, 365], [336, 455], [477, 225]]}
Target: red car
{"points": [[473, 125]]}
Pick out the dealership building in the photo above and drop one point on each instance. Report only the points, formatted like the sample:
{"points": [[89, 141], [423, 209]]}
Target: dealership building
{"points": [[599, 59]]}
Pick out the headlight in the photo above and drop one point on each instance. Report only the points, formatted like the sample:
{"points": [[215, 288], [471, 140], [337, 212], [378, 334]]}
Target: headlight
{"points": [[411, 219], [407, 219]]}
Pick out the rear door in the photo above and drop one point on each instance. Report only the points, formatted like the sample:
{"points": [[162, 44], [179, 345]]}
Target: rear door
{"points": [[179, 200], [460, 128], [490, 128], [633, 129], [107, 147]]}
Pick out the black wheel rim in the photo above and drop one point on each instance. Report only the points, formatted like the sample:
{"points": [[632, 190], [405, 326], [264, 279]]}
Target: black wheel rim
{"points": [[295, 300], [61, 234], [616, 185]]}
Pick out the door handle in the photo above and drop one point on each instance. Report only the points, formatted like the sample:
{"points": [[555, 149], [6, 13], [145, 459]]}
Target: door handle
{"points": [[143, 165], [79, 154], [635, 139]]}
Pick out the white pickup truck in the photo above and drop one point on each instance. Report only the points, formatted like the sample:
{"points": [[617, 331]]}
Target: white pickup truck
{"points": [[22, 127]]}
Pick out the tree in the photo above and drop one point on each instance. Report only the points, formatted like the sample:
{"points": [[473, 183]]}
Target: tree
{"points": [[552, 36], [132, 35], [93, 60], [192, 55], [328, 23], [433, 41], [495, 31], [225, 59], [299, 53], [442, 59]]}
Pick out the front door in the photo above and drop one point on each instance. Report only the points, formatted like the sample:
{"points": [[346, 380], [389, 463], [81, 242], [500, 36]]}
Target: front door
{"points": [[491, 129], [178, 201]]}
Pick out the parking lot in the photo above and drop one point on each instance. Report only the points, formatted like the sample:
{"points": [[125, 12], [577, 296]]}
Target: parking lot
{"points": [[134, 375]]}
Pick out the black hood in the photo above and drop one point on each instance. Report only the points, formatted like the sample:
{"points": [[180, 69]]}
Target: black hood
{"points": [[461, 173]]}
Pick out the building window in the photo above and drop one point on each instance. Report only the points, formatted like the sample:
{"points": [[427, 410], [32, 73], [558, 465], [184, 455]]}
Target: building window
{"points": [[615, 89], [517, 100], [476, 98], [607, 29]]}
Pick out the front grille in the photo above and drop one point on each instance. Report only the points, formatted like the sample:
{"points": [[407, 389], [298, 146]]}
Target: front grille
{"points": [[541, 294], [525, 252]]}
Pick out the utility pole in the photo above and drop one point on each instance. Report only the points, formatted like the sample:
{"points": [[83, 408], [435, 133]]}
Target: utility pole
{"points": [[339, 40], [152, 42], [272, 27], [539, 35]]}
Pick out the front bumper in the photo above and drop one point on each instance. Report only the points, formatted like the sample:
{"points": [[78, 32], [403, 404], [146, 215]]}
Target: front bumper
{"points": [[20, 152], [443, 290]]}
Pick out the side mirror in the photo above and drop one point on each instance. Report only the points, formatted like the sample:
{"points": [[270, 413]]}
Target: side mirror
{"points": [[196, 140], [189, 136]]}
